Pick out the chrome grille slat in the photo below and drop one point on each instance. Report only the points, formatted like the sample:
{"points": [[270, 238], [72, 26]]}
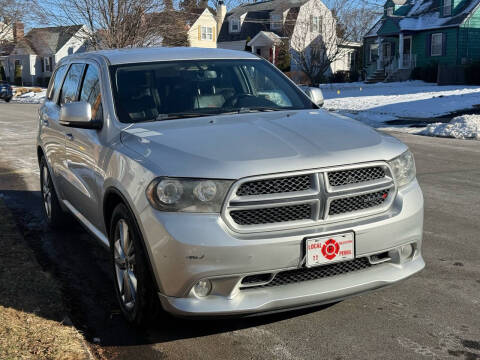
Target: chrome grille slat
{"points": [[315, 273], [307, 198]]}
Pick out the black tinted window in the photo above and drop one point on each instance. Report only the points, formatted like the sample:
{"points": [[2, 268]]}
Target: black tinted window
{"points": [[70, 85], [165, 90], [56, 81], [91, 92]]}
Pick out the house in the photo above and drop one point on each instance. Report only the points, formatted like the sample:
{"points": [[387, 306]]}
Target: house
{"points": [[306, 27], [422, 33], [203, 24], [35, 54]]}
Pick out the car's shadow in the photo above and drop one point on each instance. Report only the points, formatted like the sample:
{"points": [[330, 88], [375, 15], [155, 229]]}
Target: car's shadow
{"points": [[82, 267]]}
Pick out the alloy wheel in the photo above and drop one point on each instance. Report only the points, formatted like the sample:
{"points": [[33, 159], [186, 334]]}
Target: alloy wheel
{"points": [[124, 256], [47, 191]]}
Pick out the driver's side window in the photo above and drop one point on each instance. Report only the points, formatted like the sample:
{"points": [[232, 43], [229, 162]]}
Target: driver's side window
{"points": [[69, 91]]}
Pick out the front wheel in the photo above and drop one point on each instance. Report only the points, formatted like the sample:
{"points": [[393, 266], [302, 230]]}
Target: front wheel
{"points": [[134, 285]]}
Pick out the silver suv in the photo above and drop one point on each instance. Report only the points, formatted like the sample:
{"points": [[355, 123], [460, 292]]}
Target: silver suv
{"points": [[220, 187]]}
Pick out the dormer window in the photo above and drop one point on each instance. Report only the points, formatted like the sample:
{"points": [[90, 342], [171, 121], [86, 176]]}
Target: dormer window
{"points": [[234, 25], [447, 7], [390, 11], [276, 21]]}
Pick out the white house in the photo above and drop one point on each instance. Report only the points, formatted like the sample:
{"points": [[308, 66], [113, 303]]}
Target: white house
{"points": [[302, 24], [36, 53]]}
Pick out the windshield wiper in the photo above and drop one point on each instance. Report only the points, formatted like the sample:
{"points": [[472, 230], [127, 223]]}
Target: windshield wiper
{"points": [[180, 115]]}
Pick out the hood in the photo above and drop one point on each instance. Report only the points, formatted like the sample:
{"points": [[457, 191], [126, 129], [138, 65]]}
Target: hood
{"points": [[240, 145]]}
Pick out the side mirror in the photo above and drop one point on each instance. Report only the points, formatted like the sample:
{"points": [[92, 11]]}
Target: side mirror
{"points": [[315, 94], [78, 114]]}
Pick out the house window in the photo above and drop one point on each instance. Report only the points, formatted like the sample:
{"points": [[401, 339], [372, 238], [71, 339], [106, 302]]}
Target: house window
{"points": [[47, 65], [316, 23], [207, 33], [390, 11], [234, 24], [447, 7], [276, 21], [437, 44]]}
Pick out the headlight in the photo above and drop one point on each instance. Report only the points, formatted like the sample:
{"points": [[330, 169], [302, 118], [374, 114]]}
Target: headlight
{"points": [[403, 168], [188, 195]]}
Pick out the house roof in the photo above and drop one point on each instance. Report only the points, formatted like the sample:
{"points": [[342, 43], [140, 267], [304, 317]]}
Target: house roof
{"points": [[47, 40], [426, 15], [257, 18]]}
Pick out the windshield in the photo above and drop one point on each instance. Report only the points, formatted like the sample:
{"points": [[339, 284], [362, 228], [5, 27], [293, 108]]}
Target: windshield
{"points": [[172, 90]]}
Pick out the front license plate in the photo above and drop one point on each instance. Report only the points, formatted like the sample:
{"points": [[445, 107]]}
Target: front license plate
{"points": [[330, 249]]}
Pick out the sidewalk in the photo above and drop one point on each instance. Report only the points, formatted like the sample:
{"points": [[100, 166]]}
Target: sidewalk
{"points": [[31, 308]]}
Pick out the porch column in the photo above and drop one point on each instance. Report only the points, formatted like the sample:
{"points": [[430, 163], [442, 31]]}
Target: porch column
{"points": [[273, 54], [400, 50], [380, 54], [253, 49]]}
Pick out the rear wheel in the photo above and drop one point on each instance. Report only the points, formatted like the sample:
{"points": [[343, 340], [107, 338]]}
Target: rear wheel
{"points": [[134, 285], [8, 99], [56, 217]]}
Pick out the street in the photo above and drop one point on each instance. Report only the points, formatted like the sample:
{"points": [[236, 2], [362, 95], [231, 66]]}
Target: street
{"points": [[434, 314]]}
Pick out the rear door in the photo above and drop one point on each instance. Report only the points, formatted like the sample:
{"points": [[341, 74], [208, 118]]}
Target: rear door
{"points": [[83, 150]]}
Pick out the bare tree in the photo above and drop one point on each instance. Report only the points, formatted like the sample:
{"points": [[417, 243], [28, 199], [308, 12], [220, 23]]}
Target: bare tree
{"points": [[321, 35], [116, 23], [12, 11]]}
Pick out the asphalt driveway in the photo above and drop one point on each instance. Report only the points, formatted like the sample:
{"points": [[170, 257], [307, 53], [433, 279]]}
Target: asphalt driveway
{"points": [[434, 314]]}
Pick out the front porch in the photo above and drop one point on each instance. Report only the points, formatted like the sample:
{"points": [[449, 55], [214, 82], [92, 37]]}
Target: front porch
{"points": [[266, 44], [391, 58]]}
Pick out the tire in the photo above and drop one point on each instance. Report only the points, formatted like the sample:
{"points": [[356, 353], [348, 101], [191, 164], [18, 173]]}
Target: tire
{"points": [[8, 99], [56, 217], [134, 286]]}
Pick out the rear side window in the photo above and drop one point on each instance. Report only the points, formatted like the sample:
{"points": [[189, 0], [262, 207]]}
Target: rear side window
{"points": [[91, 92], [69, 92], [56, 82]]}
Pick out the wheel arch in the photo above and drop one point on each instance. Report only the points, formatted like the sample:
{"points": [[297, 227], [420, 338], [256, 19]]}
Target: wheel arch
{"points": [[113, 197]]}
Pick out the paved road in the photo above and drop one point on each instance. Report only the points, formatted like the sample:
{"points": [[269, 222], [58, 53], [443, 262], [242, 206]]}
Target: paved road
{"points": [[434, 314]]}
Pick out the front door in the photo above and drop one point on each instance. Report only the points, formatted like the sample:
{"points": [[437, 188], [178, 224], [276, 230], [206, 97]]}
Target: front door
{"points": [[407, 51], [83, 151]]}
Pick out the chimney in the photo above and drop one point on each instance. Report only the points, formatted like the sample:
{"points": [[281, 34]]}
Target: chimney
{"points": [[18, 31], [221, 12]]}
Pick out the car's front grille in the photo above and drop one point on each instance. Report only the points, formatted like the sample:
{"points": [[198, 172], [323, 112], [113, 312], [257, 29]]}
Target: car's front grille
{"points": [[309, 197], [272, 215], [356, 203], [275, 185], [315, 273], [355, 176]]}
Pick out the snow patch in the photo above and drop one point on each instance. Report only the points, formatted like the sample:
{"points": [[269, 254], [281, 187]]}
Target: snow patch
{"points": [[31, 97], [461, 127]]}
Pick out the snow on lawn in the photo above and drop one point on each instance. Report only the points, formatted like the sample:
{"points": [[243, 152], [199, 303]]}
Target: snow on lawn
{"points": [[461, 127], [31, 97], [377, 103]]}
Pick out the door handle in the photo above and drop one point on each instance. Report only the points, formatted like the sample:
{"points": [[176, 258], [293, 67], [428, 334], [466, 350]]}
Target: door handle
{"points": [[70, 137]]}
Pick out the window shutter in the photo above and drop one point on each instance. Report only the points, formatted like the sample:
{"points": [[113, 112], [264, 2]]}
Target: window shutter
{"points": [[214, 32], [311, 22], [199, 32], [444, 44], [428, 45]]}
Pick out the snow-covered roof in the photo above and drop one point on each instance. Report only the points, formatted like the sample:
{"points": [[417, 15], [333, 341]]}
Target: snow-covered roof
{"points": [[426, 15]]}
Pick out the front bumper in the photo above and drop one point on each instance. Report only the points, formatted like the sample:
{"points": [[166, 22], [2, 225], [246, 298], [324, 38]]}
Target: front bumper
{"points": [[185, 248]]}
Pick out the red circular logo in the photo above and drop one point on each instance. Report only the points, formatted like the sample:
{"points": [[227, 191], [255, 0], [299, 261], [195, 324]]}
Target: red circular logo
{"points": [[330, 249]]}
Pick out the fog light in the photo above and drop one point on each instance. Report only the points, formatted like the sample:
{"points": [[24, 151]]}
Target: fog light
{"points": [[405, 252], [203, 288]]}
